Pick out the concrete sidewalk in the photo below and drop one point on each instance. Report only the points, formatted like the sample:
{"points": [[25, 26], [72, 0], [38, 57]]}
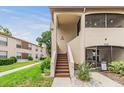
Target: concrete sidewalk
{"points": [[61, 82], [105, 81], [97, 80], [17, 69]]}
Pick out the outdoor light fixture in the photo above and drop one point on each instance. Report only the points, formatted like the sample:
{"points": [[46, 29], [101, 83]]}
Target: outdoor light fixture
{"points": [[105, 39], [62, 38]]}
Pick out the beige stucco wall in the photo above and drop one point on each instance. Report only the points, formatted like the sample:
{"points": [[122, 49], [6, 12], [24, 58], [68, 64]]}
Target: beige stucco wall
{"points": [[75, 48], [88, 36], [12, 50], [44, 50], [96, 36], [68, 32]]}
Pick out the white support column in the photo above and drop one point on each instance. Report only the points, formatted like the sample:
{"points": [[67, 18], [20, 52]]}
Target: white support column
{"points": [[82, 39], [55, 32], [54, 46]]}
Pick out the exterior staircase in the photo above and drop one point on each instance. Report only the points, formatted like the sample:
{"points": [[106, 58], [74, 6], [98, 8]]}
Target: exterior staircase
{"points": [[62, 67]]}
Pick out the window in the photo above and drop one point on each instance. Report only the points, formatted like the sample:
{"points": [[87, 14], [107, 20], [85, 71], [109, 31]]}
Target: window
{"points": [[115, 20], [19, 55], [18, 46], [36, 49], [36, 56], [95, 20], [29, 48], [3, 54], [3, 41], [104, 20]]}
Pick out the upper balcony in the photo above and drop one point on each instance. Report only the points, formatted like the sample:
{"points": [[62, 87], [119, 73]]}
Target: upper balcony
{"points": [[24, 45], [104, 29]]}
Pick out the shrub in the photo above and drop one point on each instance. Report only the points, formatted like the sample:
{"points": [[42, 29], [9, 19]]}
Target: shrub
{"points": [[116, 67], [42, 58], [84, 72], [14, 58], [45, 64], [47, 72], [30, 58], [75, 66], [7, 61]]}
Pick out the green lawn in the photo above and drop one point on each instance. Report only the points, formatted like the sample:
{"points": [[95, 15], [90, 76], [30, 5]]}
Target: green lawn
{"points": [[30, 77], [15, 65]]}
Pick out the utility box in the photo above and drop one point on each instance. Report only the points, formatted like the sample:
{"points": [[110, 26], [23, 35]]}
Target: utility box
{"points": [[103, 65]]}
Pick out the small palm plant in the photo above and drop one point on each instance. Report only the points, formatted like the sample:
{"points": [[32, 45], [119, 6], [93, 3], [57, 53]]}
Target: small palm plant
{"points": [[84, 72]]}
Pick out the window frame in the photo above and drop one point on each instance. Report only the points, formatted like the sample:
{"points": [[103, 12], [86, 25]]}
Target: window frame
{"points": [[105, 20]]}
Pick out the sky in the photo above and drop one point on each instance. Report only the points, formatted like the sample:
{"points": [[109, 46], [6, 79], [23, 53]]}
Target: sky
{"points": [[26, 23]]}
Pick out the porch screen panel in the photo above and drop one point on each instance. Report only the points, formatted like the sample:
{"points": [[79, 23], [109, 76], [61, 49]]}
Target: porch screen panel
{"points": [[95, 20], [115, 20]]}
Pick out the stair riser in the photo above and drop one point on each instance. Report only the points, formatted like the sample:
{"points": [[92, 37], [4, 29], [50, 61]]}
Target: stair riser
{"points": [[62, 68], [62, 60], [61, 75], [62, 57], [61, 65], [62, 71]]}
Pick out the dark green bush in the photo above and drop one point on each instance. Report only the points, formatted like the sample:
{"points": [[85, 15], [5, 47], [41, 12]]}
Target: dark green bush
{"points": [[42, 58], [84, 72], [7, 61], [14, 58], [45, 64], [30, 58], [76, 66]]}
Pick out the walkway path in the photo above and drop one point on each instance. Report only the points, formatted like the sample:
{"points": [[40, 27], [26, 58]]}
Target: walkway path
{"points": [[17, 69], [61, 82], [98, 80], [105, 81]]}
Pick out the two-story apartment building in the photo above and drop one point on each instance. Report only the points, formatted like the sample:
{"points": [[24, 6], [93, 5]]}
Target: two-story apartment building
{"points": [[85, 34], [12, 46]]}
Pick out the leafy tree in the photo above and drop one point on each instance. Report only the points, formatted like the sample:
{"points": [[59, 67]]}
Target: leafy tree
{"points": [[46, 39], [5, 30]]}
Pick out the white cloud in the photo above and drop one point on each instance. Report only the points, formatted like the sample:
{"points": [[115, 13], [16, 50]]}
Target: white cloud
{"points": [[39, 26], [6, 11], [15, 17], [40, 18], [24, 34]]}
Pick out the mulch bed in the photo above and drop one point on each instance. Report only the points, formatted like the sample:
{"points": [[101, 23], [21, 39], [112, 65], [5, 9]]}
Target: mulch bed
{"points": [[113, 76]]}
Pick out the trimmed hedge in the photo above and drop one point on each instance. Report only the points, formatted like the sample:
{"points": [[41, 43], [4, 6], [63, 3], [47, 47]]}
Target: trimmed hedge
{"points": [[14, 58], [7, 61], [30, 58], [42, 58]]}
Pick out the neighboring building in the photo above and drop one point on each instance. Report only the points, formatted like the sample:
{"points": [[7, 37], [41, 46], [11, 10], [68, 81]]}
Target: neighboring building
{"points": [[12, 46], [44, 50], [90, 35]]}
